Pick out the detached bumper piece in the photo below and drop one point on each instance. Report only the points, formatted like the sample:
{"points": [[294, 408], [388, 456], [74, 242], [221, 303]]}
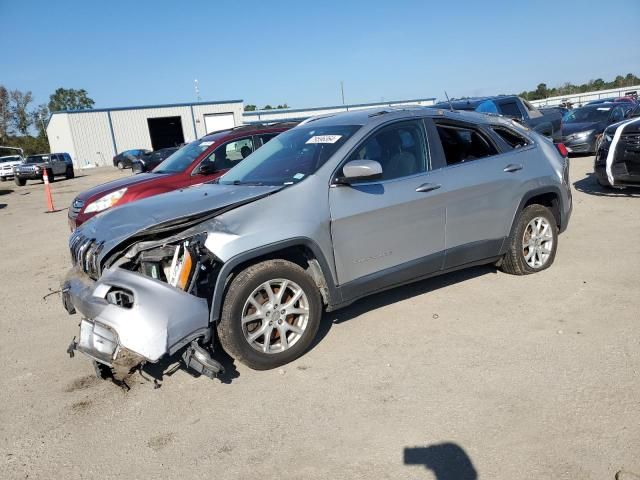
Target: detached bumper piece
{"points": [[129, 319]]}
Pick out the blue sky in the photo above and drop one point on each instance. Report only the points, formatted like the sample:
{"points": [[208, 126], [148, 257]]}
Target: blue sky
{"points": [[150, 52]]}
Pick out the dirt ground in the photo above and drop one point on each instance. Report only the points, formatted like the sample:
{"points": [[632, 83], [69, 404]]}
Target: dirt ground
{"points": [[475, 374]]}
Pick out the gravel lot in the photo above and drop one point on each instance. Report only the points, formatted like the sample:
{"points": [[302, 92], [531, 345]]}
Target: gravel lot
{"points": [[475, 374]]}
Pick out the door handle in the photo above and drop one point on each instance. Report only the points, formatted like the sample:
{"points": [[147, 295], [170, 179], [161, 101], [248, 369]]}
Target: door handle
{"points": [[513, 167], [427, 187]]}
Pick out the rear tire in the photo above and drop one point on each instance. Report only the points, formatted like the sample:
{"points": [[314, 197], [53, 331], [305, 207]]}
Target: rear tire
{"points": [[21, 182], [69, 174], [533, 244], [294, 312], [603, 182]]}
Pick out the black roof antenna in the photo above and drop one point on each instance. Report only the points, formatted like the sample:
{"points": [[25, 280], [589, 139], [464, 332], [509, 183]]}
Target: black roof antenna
{"points": [[450, 105]]}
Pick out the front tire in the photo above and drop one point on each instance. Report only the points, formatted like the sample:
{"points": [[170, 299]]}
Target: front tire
{"points": [[50, 175], [271, 314], [533, 244], [21, 182], [3, 179], [69, 174], [120, 165]]}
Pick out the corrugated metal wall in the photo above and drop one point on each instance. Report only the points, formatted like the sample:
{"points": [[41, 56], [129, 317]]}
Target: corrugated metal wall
{"points": [[59, 134], [89, 136], [131, 129]]}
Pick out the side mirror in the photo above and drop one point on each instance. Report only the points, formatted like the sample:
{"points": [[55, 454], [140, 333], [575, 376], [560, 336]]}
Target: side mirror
{"points": [[206, 169], [360, 170]]}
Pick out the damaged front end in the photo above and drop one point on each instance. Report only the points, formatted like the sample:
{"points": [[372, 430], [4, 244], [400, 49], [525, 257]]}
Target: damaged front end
{"points": [[147, 300]]}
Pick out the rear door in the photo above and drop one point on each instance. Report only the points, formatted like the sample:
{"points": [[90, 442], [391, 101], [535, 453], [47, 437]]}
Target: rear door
{"points": [[391, 229], [58, 164], [481, 178]]}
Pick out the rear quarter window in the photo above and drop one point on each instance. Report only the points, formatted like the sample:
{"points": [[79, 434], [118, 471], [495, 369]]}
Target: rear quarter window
{"points": [[511, 138]]}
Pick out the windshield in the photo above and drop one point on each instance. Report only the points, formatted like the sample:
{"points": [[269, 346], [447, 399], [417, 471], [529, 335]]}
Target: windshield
{"points": [[290, 157], [37, 159], [9, 159], [180, 160], [587, 114]]}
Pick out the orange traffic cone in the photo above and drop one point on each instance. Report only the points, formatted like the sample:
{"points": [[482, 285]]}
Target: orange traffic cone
{"points": [[47, 191]]}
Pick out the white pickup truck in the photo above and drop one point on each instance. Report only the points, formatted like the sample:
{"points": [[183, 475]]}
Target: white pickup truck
{"points": [[6, 166]]}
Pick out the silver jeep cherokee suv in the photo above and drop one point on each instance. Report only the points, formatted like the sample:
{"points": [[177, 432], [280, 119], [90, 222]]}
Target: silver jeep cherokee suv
{"points": [[339, 207]]}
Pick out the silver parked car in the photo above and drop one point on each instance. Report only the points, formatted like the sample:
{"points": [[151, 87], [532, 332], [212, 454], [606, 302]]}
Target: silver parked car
{"points": [[337, 208]]}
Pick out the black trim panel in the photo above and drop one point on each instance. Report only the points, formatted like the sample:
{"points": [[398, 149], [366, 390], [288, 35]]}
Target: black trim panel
{"points": [[471, 252]]}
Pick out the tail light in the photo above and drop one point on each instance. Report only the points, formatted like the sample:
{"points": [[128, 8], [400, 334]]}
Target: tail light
{"points": [[562, 150]]}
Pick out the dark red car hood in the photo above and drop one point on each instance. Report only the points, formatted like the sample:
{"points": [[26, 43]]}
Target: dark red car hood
{"points": [[114, 185]]}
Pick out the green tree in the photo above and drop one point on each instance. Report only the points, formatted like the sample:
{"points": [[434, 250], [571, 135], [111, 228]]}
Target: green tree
{"points": [[70, 99], [268, 107], [39, 118], [249, 108], [19, 110], [5, 115], [283, 106]]}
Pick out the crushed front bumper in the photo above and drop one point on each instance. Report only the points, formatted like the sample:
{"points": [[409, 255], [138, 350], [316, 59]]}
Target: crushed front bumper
{"points": [[129, 316]]}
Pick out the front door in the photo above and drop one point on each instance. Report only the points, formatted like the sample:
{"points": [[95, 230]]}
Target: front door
{"points": [[396, 224]]}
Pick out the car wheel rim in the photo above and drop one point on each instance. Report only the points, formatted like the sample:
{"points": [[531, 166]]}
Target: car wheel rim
{"points": [[275, 316], [537, 242]]}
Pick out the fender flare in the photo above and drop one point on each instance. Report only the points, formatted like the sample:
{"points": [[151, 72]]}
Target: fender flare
{"points": [[333, 294]]}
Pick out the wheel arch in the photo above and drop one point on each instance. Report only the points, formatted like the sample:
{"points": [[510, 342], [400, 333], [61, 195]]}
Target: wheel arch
{"points": [[549, 197], [301, 251]]}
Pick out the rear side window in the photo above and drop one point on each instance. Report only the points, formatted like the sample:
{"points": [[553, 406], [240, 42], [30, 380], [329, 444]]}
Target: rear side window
{"points": [[463, 144], [510, 109], [513, 139]]}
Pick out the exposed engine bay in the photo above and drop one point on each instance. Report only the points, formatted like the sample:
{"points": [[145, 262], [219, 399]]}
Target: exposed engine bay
{"points": [[116, 332]]}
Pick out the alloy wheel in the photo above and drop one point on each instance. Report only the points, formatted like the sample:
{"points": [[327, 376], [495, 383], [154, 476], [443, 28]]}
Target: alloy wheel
{"points": [[275, 316], [537, 242]]}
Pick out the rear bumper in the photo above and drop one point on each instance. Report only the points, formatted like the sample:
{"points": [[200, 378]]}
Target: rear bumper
{"points": [[160, 319]]}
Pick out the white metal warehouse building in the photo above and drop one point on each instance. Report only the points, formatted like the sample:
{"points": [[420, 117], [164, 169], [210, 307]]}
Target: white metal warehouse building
{"points": [[94, 137]]}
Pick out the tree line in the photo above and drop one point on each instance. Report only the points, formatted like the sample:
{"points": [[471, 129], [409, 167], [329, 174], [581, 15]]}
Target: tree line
{"points": [[252, 108], [23, 124], [543, 91]]}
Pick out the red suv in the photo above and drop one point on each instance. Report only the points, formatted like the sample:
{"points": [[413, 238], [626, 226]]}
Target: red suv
{"points": [[198, 162]]}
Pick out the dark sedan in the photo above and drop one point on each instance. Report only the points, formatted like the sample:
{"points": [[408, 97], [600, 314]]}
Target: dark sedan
{"points": [[149, 161], [126, 158], [582, 127]]}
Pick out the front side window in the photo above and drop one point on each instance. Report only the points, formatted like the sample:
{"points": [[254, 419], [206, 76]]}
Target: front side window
{"points": [[291, 156], [462, 144], [228, 155], [400, 150], [180, 160]]}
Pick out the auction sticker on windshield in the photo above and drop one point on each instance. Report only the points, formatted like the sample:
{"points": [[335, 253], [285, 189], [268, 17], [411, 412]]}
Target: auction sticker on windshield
{"points": [[324, 139]]}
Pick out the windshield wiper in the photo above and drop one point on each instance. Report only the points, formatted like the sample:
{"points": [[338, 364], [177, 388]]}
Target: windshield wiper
{"points": [[254, 184]]}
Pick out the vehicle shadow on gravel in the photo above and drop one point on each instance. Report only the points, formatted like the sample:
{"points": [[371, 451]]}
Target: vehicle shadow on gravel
{"points": [[2, 205], [5, 192], [398, 294], [447, 461], [590, 186], [168, 366]]}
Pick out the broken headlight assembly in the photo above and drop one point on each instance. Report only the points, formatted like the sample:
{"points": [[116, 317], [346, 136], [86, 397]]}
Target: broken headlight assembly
{"points": [[185, 264]]}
